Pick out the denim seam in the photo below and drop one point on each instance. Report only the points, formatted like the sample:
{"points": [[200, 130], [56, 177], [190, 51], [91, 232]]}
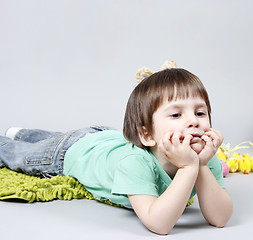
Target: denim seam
{"points": [[80, 137], [63, 150], [53, 150], [2, 144]]}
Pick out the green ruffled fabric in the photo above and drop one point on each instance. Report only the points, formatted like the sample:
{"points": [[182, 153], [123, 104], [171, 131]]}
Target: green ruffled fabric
{"points": [[14, 185]]}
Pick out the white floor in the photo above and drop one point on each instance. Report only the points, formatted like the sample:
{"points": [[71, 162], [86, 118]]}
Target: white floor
{"points": [[86, 219]]}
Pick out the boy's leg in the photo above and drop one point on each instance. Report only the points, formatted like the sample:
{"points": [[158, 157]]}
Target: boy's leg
{"points": [[39, 159], [33, 135], [43, 158]]}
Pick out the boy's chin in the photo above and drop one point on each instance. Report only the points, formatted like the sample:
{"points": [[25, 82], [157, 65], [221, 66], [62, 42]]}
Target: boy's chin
{"points": [[197, 147]]}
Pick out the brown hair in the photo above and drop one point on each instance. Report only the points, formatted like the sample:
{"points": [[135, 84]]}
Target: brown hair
{"points": [[148, 95]]}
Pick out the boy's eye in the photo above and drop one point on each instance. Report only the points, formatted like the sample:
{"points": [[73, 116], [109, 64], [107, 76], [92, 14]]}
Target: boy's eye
{"points": [[200, 114], [175, 115]]}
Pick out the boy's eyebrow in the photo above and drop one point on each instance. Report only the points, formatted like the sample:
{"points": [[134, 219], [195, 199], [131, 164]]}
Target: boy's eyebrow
{"points": [[173, 106], [201, 105], [179, 105]]}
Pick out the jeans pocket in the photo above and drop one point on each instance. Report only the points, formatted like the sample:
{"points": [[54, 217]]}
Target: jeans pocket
{"points": [[43, 153]]}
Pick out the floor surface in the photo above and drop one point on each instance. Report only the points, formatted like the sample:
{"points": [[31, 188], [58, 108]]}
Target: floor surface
{"points": [[87, 219]]}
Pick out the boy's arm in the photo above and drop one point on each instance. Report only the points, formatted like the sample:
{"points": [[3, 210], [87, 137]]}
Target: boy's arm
{"points": [[215, 204], [160, 214]]}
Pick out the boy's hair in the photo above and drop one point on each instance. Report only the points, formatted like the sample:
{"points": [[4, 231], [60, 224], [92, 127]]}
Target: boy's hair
{"points": [[174, 83]]}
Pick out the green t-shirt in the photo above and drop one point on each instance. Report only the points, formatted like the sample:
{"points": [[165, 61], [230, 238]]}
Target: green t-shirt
{"points": [[110, 167]]}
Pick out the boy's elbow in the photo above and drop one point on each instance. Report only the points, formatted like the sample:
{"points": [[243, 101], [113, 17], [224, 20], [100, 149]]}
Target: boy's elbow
{"points": [[221, 221], [218, 224], [159, 229]]}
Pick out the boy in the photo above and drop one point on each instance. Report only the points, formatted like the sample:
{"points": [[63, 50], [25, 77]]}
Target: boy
{"points": [[168, 147], [172, 114]]}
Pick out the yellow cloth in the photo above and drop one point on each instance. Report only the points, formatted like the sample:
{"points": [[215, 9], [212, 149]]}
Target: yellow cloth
{"points": [[15, 185]]}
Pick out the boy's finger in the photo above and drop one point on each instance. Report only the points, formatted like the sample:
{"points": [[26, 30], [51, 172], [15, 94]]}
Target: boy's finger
{"points": [[207, 140], [219, 135], [216, 137], [176, 138], [166, 140], [187, 139]]}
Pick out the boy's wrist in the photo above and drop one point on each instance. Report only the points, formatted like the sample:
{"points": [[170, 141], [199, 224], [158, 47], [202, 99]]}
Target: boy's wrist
{"points": [[190, 171], [203, 167], [194, 167], [193, 164], [204, 161]]}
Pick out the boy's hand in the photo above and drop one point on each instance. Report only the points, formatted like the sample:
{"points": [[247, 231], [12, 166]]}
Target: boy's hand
{"points": [[213, 139], [176, 149]]}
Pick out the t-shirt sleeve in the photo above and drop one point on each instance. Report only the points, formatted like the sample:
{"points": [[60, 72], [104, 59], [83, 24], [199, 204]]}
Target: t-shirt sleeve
{"points": [[135, 175], [216, 167]]}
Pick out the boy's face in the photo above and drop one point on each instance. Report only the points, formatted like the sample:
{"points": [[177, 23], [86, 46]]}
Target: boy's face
{"points": [[184, 116]]}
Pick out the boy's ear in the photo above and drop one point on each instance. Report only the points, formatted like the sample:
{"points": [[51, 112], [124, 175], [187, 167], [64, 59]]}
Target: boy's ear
{"points": [[146, 138]]}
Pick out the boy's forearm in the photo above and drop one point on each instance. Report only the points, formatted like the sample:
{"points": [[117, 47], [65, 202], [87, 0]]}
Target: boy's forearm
{"points": [[214, 201], [166, 210]]}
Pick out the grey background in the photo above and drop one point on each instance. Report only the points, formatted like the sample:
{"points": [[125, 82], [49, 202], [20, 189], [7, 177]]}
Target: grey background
{"points": [[70, 64], [67, 64]]}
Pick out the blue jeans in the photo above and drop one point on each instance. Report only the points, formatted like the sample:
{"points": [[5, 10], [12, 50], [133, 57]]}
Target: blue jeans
{"points": [[38, 152]]}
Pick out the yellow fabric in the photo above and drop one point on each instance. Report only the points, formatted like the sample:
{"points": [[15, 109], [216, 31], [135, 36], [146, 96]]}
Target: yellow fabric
{"points": [[15, 185]]}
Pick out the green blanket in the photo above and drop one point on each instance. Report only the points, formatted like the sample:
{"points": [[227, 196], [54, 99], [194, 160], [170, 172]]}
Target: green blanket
{"points": [[15, 185]]}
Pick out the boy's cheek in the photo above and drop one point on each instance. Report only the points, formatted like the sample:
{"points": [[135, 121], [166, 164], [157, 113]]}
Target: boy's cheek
{"points": [[207, 128]]}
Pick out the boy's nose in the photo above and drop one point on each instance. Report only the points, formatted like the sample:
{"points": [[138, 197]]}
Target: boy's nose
{"points": [[193, 122]]}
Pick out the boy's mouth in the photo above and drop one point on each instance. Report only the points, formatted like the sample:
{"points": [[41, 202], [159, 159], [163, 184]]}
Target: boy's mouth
{"points": [[196, 135], [196, 138]]}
